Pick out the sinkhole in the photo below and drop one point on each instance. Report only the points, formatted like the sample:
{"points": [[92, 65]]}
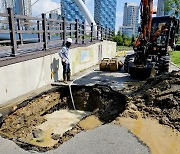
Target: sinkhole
{"points": [[48, 120]]}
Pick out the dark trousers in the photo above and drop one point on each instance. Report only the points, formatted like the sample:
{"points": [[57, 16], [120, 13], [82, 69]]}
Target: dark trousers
{"points": [[66, 68], [66, 71]]}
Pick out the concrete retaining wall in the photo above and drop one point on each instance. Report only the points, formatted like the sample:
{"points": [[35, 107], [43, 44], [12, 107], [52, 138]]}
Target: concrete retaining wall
{"points": [[24, 77]]}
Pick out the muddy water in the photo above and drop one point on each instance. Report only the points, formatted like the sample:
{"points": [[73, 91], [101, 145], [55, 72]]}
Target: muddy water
{"points": [[57, 123], [161, 139], [90, 122]]}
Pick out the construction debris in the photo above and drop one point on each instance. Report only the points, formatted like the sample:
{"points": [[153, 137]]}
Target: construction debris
{"points": [[159, 98]]}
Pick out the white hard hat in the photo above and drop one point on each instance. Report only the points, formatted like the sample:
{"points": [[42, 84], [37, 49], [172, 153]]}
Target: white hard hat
{"points": [[69, 40]]}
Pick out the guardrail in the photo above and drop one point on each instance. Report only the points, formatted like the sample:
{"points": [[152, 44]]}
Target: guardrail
{"points": [[18, 31]]}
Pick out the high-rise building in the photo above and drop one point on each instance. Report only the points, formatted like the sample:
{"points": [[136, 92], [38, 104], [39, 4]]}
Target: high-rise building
{"points": [[125, 30], [70, 11], [54, 15], [160, 8], [130, 19], [6, 4], [105, 13], [161, 11], [22, 7]]}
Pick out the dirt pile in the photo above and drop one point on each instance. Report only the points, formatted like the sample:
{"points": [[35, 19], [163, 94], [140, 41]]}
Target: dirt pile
{"points": [[21, 123], [159, 97]]}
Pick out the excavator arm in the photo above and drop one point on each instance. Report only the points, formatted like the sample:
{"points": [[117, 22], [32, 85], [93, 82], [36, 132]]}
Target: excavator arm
{"points": [[146, 10]]}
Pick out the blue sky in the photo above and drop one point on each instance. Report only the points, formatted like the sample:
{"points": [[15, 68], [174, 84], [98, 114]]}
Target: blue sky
{"points": [[46, 5]]}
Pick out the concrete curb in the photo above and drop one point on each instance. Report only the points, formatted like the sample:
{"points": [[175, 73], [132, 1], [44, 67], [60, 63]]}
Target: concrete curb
{"points": [[175, 65]]}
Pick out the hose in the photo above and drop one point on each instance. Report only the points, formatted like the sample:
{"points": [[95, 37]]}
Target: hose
{"points": [[70, 90]]}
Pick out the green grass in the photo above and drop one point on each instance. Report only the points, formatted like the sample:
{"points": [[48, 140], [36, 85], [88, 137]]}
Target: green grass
{"points": [[175, 57], [121, 48]]}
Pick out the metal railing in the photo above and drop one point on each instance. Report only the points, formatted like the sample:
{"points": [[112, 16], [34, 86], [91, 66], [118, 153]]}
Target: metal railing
{"points": [[18, 31]]}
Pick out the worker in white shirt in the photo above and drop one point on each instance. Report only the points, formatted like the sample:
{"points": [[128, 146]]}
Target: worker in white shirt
{"points": [[65, 60]]}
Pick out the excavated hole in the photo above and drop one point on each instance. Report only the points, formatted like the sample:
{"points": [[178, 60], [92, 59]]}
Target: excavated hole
{"points": [[102, 103]]}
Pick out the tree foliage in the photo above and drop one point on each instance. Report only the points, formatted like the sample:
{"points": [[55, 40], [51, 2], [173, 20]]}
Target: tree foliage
{"points": [[123, 40], [172, 5]]}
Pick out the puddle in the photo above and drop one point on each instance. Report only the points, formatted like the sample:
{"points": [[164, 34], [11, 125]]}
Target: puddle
{"points": [[48, 121], [161, 139], [90, 122], [56, 125]]}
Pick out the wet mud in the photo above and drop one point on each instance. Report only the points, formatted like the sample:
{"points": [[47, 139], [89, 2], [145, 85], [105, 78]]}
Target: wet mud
{"points": [[22, 126], [157, 98], [160, 139]]}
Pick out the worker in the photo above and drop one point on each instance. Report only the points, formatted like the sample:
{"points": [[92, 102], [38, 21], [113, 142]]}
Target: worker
{"points": [[65, 60]]}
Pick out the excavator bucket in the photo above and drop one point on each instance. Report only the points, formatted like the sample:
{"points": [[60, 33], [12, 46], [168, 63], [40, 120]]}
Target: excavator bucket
{"points": [[141, 73]]}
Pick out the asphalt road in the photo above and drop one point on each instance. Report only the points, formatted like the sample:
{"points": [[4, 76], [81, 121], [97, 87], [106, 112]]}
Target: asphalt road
{"points": [[106, 139]]}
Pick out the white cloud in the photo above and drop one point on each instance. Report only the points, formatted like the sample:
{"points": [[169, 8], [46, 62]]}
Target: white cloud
{"points": [[43, 6]]}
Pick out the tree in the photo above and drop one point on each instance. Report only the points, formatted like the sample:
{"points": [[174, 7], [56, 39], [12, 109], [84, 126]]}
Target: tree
{"points": [[172, 5], [122, 40]]}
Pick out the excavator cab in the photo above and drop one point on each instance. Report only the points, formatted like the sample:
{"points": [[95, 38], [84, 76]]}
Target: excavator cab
{"points": [[151, 51], [163, 35]]}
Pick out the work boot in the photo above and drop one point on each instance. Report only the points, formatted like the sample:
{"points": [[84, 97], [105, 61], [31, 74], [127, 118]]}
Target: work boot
{"points": [[68, 76], [64, 78]]}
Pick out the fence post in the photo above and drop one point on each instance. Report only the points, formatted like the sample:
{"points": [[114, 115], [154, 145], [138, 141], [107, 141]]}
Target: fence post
{"points": [[84, 32], [49, 34], [19, 28], [101, 33], [60, 28], [106, 33], [44, 30], [91, 32], [12, 32], [64, 30], [70, 30], [109, 34], [38, 28], [76, 33], [97, 32]]}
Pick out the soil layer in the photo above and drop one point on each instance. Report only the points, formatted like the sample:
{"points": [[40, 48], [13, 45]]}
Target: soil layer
{"points": [[158, 98]]}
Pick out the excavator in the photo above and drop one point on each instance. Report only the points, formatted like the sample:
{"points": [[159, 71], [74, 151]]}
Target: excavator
{"points": [[157, 37]]}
